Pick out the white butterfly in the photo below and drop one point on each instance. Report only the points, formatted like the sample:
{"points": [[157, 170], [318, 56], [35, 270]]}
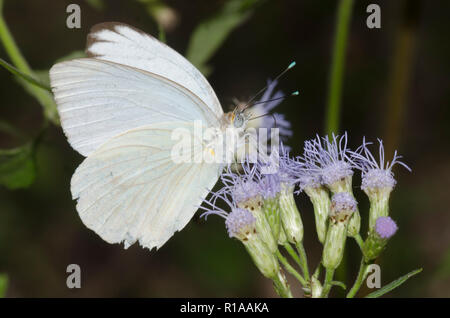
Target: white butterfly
{"points": [[118, 108]]}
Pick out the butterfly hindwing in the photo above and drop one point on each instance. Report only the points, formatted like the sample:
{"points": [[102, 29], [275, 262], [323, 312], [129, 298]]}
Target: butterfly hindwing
{"points": [[131, 189]]}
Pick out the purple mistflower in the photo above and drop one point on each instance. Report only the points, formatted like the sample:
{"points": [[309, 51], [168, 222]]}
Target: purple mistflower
{"points": [[327, 160], [268, 122], [282, 164], [239, 222], [306, 177], [376, 174], [269, 186], [343, 201], [242, 186], [385, 227]]}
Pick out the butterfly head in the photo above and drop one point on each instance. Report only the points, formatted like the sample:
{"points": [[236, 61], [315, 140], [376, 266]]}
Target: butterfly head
{"points": [[238, 117]]}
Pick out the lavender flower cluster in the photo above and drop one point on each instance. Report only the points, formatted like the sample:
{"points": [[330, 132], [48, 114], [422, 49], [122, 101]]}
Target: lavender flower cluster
{"points": [[262, 213]]}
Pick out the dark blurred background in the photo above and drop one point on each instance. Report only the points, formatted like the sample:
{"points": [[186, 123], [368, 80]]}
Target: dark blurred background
{"points": [[396, 86]]}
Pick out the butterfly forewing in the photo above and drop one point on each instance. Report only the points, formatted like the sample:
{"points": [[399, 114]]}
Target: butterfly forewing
{"points": [[123, 44]]}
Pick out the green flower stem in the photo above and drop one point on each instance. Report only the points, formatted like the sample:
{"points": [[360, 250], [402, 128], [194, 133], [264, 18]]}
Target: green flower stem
{"points": [[317, 270], [281, 286], [359, 280], [360, 241], [328, 283], [291, 270], [337, 67], [44, 97], [293, 254], [303, 260]]}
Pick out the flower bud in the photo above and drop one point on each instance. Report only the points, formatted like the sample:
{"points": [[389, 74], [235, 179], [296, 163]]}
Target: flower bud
{"points": [[270, 188], [271, 210], [254, 206], [321, 203], [240, 224], [345, 185], [329, 157], [378, 185], [378, 237], [343, 205], [290, 216], [377, 179]]}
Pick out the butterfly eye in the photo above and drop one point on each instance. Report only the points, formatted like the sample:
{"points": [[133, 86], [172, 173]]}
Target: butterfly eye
{"points": [[238, 121]]}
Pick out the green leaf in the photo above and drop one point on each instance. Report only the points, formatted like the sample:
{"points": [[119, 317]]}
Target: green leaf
{"points": [[393, 285], [24, 76], [210, 34], [338, 283], [17, 167], [3, 284]]}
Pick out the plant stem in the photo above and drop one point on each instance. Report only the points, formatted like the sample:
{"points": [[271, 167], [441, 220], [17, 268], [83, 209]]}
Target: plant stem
{"points": [[303, 260], [328, 282], [359, 280], [360, 241], [44, 97], [337, 66], [281, 286], [291, 270], [291, 252]]}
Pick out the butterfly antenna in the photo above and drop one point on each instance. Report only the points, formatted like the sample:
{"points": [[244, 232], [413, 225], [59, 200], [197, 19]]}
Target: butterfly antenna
{"points": [[273, 99], [268, 114], [265, 87]]}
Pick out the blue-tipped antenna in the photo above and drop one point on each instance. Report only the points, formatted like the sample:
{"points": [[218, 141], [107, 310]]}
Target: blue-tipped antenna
{"points": [[265, 87]]}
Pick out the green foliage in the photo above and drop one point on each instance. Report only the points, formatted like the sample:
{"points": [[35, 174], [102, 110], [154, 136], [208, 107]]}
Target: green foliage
{"points": [[43, 96], [344, 14], [211, 33], [3, 284], [393, 285], [17, 167], [24, 76]]}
